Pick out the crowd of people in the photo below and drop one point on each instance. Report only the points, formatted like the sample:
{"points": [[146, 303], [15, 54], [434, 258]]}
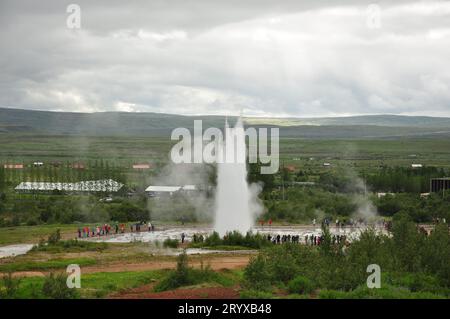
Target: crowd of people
{"points": [[117, 228], [311, 240], [360, 222]]}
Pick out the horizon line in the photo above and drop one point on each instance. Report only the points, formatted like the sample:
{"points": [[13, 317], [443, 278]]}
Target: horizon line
{"points": [[226, 114]]}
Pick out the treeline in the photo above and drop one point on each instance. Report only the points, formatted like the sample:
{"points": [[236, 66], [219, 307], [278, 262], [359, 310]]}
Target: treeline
{"points": [[31, 210], [404, 180], [346, 180], [421, 210], [302, 205]]}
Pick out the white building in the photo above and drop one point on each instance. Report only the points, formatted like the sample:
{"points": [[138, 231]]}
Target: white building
{"points": [[156, 191]]}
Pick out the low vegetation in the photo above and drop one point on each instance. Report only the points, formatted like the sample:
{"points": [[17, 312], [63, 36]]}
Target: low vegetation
{"points": [[232, 239], [54, 244], [412, 264], [187, 276]]}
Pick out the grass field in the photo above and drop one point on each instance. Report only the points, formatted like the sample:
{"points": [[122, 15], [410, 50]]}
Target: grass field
{"points": [[126, 150]]}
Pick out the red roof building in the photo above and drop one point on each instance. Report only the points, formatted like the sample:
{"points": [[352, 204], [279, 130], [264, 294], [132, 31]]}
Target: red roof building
{"points": [[142, 166], [13, 166]]}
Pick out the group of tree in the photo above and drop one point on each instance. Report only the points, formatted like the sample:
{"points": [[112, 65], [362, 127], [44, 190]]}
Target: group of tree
{"points": [[404, 180], [413, 265], [31, 210]]}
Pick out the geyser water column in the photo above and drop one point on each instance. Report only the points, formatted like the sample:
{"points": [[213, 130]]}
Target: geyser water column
{"points": [[233, 195]]}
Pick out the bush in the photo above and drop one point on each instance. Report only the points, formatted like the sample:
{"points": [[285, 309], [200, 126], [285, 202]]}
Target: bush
{"points": [[415, 282], [256, 274], [301, 285], [331, 294], [54, 237], [235, 239], [213, 240], [255, 294], [9, 287], [283, 264], [32, 221], [72, 245], [55, 287], [170, 243], [185, 276]]}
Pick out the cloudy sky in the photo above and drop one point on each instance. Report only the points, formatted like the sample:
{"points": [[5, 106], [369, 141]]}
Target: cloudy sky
{"points": [[266, 58]]}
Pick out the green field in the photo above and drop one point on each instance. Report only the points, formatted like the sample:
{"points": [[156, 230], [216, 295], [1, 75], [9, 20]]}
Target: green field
{"points": [[127, 150]]}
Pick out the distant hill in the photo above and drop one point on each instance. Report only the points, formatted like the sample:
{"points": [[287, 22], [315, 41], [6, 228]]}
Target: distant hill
{"points": [[377, 120], [104, 123], [158, 124]]}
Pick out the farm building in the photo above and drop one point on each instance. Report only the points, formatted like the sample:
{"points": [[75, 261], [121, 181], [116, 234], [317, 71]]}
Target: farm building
{"points": [[157, 191], [154, 191], [188, 188], [107, 186], [13, 166], [78, 166], [142, 166], [416, 165], [290, 168], [439, 184], [37, 164]]}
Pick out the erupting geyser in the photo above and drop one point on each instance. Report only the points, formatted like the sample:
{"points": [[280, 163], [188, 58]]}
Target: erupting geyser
{"points": [[234, 197]]}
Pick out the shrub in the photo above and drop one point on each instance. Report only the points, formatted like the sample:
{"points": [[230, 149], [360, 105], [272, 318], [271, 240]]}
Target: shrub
{"points": [[54, 237], [255, 294], [9, 287], [213, 240], [72, 245], [185, 276], [55, 287], [170, 243], [331, 294], [283, 265], [416, 282], [234, 239], [256, 274], [300, 285]]}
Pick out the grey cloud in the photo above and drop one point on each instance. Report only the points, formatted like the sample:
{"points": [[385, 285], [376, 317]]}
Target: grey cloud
{"points": [[301, 58]]}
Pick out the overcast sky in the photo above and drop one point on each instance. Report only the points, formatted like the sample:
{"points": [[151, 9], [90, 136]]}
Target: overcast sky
{"points": [[267, 58]]}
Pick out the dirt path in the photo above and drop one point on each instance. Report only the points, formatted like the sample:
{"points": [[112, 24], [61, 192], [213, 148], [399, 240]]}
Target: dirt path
{"points": [[145, 292], [216, 263]]}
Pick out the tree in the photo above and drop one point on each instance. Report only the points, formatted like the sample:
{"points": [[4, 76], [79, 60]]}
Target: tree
{"points": [[255, 176]]}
